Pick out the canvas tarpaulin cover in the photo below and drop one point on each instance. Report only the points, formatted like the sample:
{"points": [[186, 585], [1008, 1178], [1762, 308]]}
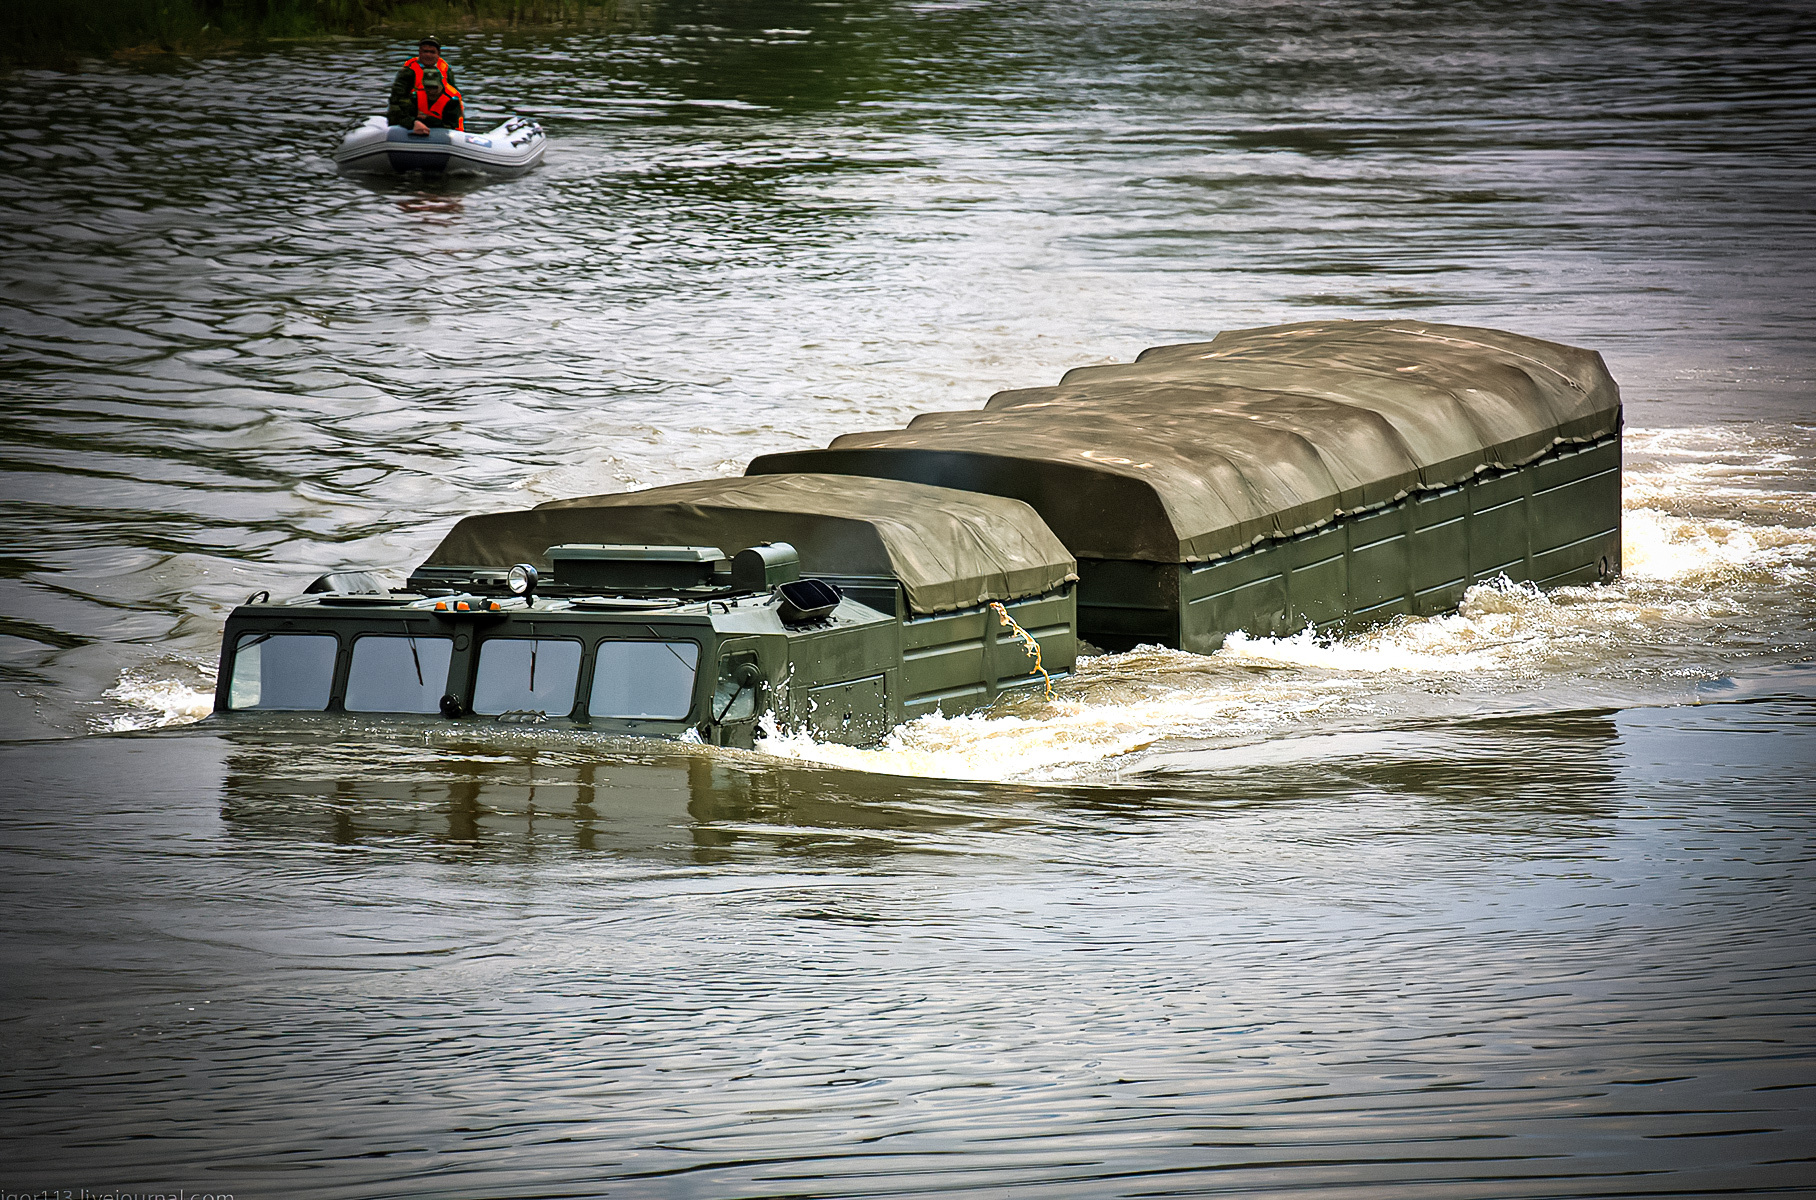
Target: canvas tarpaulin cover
{"points": [[949, 549], [1195, 451]]}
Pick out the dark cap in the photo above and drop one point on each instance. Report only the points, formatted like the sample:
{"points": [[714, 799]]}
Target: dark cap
{"points": [[428, 39], [431, 81]]}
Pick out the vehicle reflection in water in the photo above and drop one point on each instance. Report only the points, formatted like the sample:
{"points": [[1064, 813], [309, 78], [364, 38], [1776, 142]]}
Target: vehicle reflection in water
{"points": [[505, 797], [1552, 765], [540, 794]]}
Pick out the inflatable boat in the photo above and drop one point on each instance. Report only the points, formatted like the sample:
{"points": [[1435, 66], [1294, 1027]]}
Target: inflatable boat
{"points": [[380, 148], [1326, 474]]}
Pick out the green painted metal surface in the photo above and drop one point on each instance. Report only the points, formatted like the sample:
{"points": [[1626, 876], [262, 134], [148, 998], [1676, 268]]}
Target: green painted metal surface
{"points": [[1552, 522], [849, 677]]}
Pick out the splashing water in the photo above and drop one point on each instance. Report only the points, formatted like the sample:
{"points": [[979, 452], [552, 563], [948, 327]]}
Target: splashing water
{"points": [[153, 703], [1055, 740], [1708, 550]]}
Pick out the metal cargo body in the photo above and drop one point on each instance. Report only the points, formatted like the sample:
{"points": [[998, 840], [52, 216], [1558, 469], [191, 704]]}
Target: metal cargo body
{"points": [[1322, 473], [836, 605]]}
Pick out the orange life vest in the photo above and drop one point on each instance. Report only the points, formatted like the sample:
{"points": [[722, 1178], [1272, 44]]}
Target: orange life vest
{"points": [[423, 107]]}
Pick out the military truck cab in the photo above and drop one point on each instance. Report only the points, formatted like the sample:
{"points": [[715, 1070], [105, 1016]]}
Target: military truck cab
{"points": [[879, 616]]}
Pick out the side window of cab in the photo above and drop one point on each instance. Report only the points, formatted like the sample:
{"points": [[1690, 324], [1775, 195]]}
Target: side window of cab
{"points": [[644, 680], [282, 671]]}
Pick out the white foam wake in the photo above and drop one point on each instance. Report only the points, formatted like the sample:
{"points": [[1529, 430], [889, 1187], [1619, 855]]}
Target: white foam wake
{"points": [[152, 703]]}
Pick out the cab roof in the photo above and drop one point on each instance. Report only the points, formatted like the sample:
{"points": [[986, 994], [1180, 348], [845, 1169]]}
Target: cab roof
{"points": [[949, 549]]}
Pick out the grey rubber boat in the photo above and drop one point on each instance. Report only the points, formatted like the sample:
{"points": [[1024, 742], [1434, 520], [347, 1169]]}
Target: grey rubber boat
{"points": [[376, 147]]}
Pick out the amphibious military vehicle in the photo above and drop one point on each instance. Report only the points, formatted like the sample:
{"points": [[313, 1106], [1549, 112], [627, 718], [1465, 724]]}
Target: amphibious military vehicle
{"points": [[1325, 474]]}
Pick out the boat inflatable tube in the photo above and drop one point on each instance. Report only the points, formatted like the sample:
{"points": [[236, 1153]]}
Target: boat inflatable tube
{"points": [[380, 148]]}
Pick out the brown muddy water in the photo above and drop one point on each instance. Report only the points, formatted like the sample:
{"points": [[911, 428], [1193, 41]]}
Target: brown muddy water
{"points": [[1515, 902]]}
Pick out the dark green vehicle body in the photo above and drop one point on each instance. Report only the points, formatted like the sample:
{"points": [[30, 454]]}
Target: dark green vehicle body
{"points": [[1325, 474], [1328, 474], [1553, 522], [671, 637]]}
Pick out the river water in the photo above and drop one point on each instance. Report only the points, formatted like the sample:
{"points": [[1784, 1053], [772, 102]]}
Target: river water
{"points": [[1514, 902]]}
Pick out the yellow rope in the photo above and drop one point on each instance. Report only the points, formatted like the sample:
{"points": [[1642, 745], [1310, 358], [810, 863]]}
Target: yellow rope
{"points": [[1027, 640]]}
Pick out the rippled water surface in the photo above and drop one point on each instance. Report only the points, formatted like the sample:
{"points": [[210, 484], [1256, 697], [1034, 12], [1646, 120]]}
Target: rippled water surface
{"points": [[1514, 902]]}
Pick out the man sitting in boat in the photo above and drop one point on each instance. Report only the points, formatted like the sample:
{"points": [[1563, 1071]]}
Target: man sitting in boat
{"points": [[423, 96]]}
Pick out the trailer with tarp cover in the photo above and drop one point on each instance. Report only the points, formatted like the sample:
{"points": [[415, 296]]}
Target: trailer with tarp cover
{"points": [[1323, 474]]}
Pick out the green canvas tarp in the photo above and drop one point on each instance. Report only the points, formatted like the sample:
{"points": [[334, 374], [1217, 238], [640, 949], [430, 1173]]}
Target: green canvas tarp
{"points": [[1196, 451], [949, 549]]}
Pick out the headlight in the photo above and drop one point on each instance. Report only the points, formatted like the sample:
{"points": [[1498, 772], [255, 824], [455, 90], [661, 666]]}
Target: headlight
{"points": [[521, 580]]}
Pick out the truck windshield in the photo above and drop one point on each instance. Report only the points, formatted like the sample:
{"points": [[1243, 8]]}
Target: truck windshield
{"points": [[652, 680], [292, 671], [398, 673], [526, 675]]}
